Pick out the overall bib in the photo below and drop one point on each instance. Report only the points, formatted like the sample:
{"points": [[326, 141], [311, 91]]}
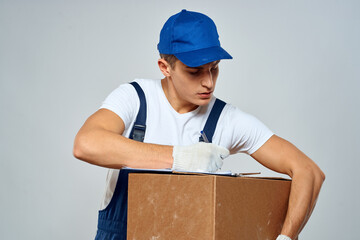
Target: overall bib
{"points": [[112, 221]]}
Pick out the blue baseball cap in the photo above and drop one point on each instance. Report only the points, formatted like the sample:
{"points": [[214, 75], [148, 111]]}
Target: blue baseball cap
{"points": [[193, 38]]}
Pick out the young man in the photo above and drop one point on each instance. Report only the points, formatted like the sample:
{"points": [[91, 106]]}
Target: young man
{"points": [[178, 107]]}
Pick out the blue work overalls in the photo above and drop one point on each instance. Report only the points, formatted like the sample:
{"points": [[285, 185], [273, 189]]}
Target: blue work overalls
{"points": [[112, 221]]}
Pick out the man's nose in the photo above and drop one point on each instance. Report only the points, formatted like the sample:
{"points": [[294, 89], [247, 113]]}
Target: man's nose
{"points": [[207, 80]]}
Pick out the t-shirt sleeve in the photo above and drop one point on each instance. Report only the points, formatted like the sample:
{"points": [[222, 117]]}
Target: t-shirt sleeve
{"points": [[123, 101], [247, 133]]}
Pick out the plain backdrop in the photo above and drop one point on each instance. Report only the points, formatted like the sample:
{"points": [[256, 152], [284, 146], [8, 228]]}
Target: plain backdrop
{"points": [[295, 67]]}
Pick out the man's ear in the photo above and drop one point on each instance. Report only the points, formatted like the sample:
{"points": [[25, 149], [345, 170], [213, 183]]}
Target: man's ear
{"points": [[164, 67]]}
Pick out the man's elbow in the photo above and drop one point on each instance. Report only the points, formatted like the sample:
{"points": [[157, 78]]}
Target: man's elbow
{"points": [[322, 175], [77, 151], [79, 148], [318, 175], [312, 171]]}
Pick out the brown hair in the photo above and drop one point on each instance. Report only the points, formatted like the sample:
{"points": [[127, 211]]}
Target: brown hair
{"points": [[170, 59]]}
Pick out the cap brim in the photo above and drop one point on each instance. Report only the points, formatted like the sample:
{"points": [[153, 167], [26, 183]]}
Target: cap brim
{"points": [[203, 56]]}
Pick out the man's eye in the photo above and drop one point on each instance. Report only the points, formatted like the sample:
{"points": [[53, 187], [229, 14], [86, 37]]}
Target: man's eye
{"points": [[194, 73], [214, 68]]}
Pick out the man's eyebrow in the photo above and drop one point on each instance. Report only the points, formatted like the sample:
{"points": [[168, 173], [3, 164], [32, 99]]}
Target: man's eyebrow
{"points": [[201, 67], [216, 62]]}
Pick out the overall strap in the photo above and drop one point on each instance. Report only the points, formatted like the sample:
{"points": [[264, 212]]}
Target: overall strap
{"points": [[212, 120], [139, 128]]}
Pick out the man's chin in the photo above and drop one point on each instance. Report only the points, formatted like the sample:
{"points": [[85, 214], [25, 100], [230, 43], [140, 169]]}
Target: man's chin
{"points": [[203, 101]]}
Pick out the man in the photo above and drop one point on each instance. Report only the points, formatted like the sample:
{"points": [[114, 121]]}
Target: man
{"points": [[177, 109]]}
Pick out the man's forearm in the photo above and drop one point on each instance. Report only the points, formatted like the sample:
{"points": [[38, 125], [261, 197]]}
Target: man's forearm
{"points": [[108, 149], [305, 188]]}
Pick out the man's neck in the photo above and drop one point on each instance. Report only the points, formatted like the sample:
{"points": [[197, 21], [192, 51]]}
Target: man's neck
{"points": [[178, 104]]}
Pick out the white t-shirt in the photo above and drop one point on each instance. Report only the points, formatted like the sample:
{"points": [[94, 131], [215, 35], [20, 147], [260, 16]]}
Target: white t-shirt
{"points": [[236, 130]]}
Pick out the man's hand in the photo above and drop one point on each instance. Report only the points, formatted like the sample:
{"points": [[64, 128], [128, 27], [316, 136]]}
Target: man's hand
{"points": [[203, 157]]}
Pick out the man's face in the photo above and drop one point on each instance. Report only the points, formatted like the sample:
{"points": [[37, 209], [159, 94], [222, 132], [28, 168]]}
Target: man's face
{"points": [[194, 85]]}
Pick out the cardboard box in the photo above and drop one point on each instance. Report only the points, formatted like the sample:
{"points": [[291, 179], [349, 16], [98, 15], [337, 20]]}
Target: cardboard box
{"points": [[185, 206]]}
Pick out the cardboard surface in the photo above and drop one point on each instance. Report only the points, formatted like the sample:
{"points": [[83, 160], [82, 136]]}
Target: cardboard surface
{"points": [[180, 206]]}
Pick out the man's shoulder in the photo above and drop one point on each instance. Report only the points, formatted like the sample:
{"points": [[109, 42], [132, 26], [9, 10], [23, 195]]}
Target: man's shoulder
{"points": [[236, 115], [146, 82], [147, 85]]}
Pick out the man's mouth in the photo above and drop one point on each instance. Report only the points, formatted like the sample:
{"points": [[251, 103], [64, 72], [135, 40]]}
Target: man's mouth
{"points": [[205, 94]]}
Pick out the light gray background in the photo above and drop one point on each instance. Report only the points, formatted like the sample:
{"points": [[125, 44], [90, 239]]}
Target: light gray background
{"points": [[295, 67]]}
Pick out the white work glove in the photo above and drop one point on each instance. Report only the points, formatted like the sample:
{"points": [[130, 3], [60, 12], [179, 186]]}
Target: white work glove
{"points": [[283, 237], [199, 157]]}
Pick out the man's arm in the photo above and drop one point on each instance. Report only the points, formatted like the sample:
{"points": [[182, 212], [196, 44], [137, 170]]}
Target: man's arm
{"points": [[307, 178], [100, 142]]}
